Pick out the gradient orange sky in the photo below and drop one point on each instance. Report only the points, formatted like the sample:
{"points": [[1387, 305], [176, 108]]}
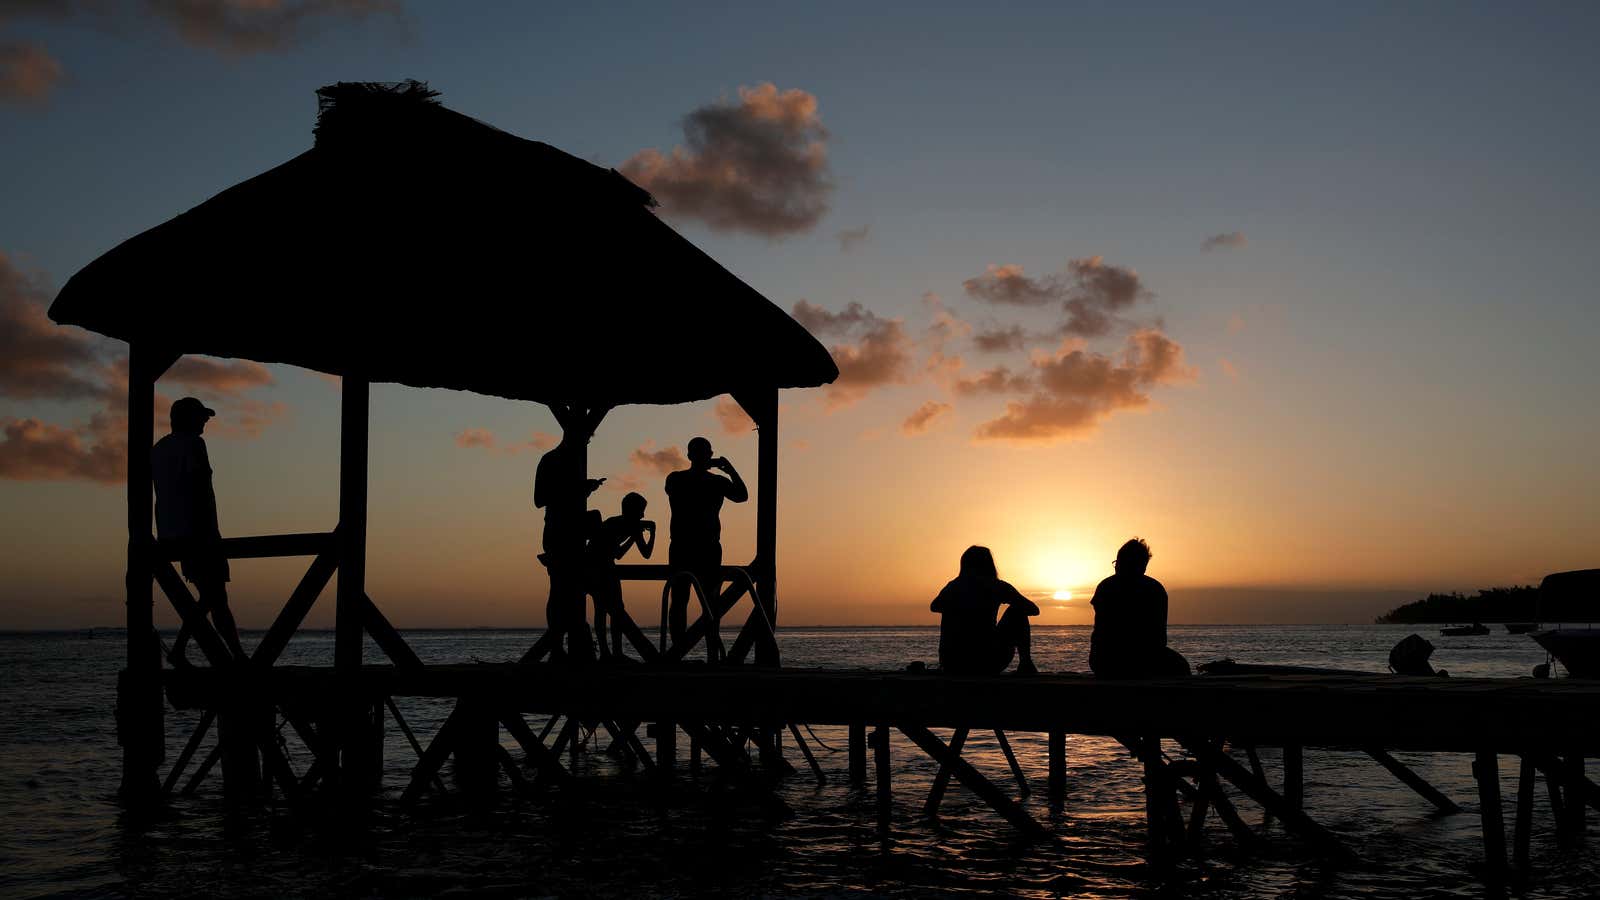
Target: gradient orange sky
{"points": [[1344, 353]]}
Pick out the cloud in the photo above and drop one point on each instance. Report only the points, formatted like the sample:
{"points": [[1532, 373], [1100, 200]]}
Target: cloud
{"points": [[998, 380], [243, 27], [923, 417], [732, 417], [38, 358], [28, 73], [1009, 286], [484, 439], [1231, 240], [246, 418], [1074, 391], [1092, 294], [997, 339], [31, 450], [758, 164], [849, 237], [881, 354], [662, 461], [222, 376], [1096, 293], [1228, 368]]}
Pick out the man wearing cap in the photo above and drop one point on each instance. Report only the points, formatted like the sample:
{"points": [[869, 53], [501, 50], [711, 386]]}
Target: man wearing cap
{"points": [[186, 515]]}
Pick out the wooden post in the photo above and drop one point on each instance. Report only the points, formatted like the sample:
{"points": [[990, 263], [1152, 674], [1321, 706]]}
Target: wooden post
{"points": [[1521, 836], [1058, 767], [858, 753], [1294, 775], [1155, 800], [1572, 780], [140, 706], [349, 614], [1486, 768], [765, 415], [237, 733], [666, 746], [880, 755], [941, 779], [476, 745], [1414, 781]]}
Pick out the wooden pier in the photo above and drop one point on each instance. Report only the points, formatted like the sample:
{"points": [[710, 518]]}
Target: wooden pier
{"points": [[1194, 735]]}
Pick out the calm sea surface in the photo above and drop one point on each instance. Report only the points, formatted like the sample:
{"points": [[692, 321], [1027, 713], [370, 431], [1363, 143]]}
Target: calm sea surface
{"points": [[61, 833]]}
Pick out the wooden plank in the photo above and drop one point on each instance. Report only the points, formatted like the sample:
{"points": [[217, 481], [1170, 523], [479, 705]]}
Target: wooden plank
{"points": [[1414, 781], [548, 763], [1258, 790], [200, 729], [1057, 784], [351, 592], [805, 750], [1156, 785], [411, 738], [262, 546], [188, 609], [387, 637], [858, 753], [140, 705], [300, 601], [941, 779], [701, 626], [1011, 760], [1522, 835], [205, 769], [971, 779], [1486, 768], [439, 749], [1294, 775], [883, 766]]}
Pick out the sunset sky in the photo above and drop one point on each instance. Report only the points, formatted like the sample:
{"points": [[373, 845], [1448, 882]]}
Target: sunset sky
{"points": [[1303, 296]]}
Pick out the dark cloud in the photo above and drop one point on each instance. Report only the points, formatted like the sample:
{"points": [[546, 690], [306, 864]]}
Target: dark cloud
{"points": [[28, 73], [484, 439], [1231, 240], [849, 237], [923, 417], [259, 26], [758, 165], [997, 339], [31, 450], [222, 376], [998, 380], [38, 358], [662, 461], [880, 354], [1074, 391], [1008, 285], [1096, 294]]}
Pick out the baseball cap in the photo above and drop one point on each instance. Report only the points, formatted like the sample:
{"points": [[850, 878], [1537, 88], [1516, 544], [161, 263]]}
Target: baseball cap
{"points": [[191, 408]]}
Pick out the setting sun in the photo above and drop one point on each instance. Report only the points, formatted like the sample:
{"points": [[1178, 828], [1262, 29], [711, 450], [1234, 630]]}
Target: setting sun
{"points": [[1062, 594]]}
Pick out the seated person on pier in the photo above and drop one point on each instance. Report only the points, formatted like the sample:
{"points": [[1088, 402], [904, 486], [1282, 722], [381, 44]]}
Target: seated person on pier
{"points": [[1130, 622], [561, 488], [609, 542], [694, 533], [971, 642], [186, 515]]}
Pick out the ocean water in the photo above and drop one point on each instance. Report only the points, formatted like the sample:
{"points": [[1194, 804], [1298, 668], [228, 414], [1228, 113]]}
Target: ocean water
{"points": [[62, 833]]}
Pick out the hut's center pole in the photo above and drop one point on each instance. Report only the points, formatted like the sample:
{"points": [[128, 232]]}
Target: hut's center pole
{"points": [[353, 724], [139, 707], [767, 518]]}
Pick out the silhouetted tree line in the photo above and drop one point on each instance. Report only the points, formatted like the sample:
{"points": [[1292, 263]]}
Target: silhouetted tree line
{"points": [[1499, 604]]}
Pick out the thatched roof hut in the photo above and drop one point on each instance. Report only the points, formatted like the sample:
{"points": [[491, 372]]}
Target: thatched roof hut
{"points": [[416, 245]]}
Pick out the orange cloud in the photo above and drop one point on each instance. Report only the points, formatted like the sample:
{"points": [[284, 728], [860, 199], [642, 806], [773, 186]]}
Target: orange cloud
{"points": [[38, 358], [923, 417], [1075, 391], [882, 353], [662, 461], [1008, 284], [484, 439], [28, 73], [1091, 293], [759, 164], [732, 417], [31, 450]]}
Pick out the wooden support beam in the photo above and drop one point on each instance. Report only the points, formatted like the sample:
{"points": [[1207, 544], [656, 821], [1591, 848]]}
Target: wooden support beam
{"points": [[411, 738], [1522, 833], [1157, 791], [205, 768], [300, 601], [702, 625], [1260, 772], [193, 744], [883, 770], [1057, 784], [971, 779], [262, 546], [140, 706], [666, 734], [387, 637], [188, 609], [722, 751], [1574, 781], [439, 749], [238, 735], [1294, 775], [941, 779], [1011, 760], [548, 763], [858, 753], [762, 406], [349, 732], [1257, 789], [1486, 768], [805, 750], [1414, 781], [1211, 789]]}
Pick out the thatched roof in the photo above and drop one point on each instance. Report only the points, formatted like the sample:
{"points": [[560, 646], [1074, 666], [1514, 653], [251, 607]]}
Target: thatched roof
{"points": [[416, 245]]}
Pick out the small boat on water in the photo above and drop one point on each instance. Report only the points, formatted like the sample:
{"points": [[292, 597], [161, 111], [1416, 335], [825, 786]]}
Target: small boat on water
{"points": [[1521, 627], [1460, 630], [1570, 597]]}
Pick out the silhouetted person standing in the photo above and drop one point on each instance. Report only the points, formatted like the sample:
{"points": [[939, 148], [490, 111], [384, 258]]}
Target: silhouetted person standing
{"points": [[561, 487], [608, 543], [971, 642], [695, 532], [186, 516], [1130, 621]]}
